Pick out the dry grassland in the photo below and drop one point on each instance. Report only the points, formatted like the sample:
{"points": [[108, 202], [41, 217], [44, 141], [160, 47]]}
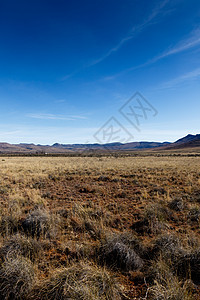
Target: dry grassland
{"points": [[100, 228]]}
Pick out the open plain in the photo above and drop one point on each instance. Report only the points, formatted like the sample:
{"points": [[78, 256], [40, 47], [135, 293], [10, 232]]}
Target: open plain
{"points": [[103, 227]]}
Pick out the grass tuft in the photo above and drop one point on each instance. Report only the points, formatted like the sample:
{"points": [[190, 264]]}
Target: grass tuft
{"points": [[21, 245], [121, 251], [79, 281], [16, 278]]}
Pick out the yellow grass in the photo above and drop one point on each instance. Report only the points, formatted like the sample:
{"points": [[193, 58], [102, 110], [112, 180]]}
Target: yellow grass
{"points": [[81, 208]]}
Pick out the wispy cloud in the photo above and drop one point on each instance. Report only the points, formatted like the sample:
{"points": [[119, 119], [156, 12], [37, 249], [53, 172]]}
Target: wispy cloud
{"points": [[192, 41], [54, 117], [130, 35], [8, 133], [79, 117], [70, 75], [134, 31], [60, 101], [190, 76]]}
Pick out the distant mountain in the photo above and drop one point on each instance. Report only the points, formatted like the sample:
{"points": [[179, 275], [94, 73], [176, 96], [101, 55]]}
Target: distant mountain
{"points": [[66, 148], [189, 138], [189, 141], [142, 145], [86, 146]]}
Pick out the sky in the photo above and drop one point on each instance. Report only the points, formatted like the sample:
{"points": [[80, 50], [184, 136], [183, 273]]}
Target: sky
{"points": [[99, 71]]}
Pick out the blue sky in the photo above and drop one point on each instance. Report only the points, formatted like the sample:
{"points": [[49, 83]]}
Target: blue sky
{"points": [[67, 67]]}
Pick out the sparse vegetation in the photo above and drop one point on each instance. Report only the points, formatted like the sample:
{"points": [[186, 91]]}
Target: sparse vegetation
{"points": [[100, 227]]}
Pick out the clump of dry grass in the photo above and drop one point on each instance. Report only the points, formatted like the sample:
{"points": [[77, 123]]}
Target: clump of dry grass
{"points": [[156, 214], [8, 225], [169, 245], [153, 220], [167, 286], [87, 219], [79, 281], [20, 245], [121, 251], [16, 278], [188, 265], [9, 222], [194, 214], [177, 204], [184, 259], [41, 223]]}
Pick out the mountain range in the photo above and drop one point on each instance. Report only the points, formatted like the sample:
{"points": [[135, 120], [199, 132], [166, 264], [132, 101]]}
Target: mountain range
{"points": [[189, 141]]}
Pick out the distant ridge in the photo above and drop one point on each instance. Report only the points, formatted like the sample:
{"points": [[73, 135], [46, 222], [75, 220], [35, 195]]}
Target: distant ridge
{"points": [[189, 141], [189, 138], [66, 148]]}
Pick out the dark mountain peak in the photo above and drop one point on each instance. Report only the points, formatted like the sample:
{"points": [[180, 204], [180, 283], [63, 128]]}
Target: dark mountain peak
{"points": [[56, 145], [26, 144], [188, 138]]}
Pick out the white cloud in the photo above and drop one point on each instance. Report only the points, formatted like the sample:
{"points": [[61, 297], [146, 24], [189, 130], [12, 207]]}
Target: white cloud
{"points": [[54, 117]]}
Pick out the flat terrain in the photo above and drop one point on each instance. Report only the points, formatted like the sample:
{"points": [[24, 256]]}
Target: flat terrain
{"points": [[100, 227]]}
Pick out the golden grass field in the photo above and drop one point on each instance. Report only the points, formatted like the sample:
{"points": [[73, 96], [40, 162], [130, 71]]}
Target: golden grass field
{"points": [[100, 227]]}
